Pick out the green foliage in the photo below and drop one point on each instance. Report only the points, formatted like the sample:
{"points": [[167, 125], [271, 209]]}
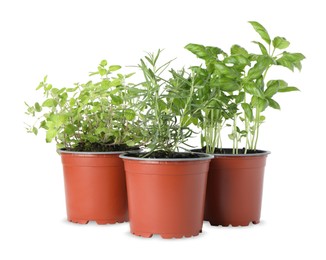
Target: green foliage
{"points": [[235, 87], [166, 106], [100, 111]]}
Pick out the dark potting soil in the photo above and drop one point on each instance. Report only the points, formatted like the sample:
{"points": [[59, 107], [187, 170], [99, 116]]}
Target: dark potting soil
{"points": [[229, 151], [165, 155], [101, 147]]}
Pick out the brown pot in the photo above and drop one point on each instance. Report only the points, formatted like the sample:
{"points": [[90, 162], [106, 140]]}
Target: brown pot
{"points": [[166, 196], [235, 188], [95, 187]]}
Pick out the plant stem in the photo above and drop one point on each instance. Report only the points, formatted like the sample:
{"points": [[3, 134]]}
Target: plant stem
{"points": [[256, 130], [235, 136], [186, 109]]}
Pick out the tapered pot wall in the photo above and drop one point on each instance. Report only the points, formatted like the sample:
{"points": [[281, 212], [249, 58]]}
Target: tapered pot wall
{"points": [[234, 190], [166, 198], [95, 188]]}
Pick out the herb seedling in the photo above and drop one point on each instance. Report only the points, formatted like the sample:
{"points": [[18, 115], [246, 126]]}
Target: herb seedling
{"points": [[237, 82], [94, 116]]}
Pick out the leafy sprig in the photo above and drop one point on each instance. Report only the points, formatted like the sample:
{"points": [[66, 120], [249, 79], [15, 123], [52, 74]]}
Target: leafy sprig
{"points": [[96, 112], [166, 105], [238, 83]]}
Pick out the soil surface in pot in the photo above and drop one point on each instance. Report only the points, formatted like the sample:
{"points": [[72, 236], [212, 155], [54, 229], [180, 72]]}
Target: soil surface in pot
{"points": [[229, 151], [101, 147], [165, 155]]}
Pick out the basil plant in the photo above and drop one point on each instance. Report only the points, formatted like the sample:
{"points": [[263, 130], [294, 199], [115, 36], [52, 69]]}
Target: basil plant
{"points": [[238, 90]]}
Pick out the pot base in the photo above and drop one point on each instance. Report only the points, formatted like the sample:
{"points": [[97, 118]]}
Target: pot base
{"points": [[165, 235], [99, 222], [234, 224]]}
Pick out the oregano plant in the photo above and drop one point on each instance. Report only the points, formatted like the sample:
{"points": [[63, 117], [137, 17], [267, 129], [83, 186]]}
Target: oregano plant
{"points": [[97, 115], [241, 92]]}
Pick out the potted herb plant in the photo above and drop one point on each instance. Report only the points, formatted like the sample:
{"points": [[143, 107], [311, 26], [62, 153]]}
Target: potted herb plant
{"points": [[92, 124], [166, 186], [241, 92]]}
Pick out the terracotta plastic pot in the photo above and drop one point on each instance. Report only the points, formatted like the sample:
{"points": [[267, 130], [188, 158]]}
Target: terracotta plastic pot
{"points": [[166, 196], [235, 188], [95, 187]]}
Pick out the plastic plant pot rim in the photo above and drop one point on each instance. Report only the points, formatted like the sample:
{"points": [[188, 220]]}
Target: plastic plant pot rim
{"points": [[259, 153], [204, 157], [60, 151]]}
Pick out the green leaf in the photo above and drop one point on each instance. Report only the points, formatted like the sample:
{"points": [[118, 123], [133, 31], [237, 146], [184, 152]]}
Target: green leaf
{"points": [[116, 100], [70, 129], [186, 121], [114, 67], [231, 136], [129, 75], [238, 50], [38, 108], [55, 91], [262, 104], [50, 134], [261, 31], [161, 104], [115, 82], [130, 143], [212, 52], [273, 86], [291, 60], [221, 69], [130, 114], [100, 130], [240, 97], [103, 63], [237, 60], [253, 89], [194, 120], [248, 111], [57, 120], [279, 82], [42, 83], [72, 89], [272, 103], [72, 102], [63, 100], [47, 87], [197, 49], [35, 131], [280, 43], [288, 89], [50, 103], [258, 69], [102, 71], [226, 84], [271, 90], [261, 47]]}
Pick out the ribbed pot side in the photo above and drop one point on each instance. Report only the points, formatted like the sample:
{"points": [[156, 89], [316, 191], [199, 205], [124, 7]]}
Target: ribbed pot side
{"points": [[95, 187], [166, 197], [235, 189]]}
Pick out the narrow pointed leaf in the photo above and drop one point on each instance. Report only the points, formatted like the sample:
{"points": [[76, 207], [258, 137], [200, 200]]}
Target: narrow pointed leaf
{"points": [[248, 111], [288, 89], [272, 103], [261, 31], [114, 67], [261, 47]]}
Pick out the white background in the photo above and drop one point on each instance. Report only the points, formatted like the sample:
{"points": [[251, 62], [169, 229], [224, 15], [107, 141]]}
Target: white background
{"points": [[67, 39]]}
